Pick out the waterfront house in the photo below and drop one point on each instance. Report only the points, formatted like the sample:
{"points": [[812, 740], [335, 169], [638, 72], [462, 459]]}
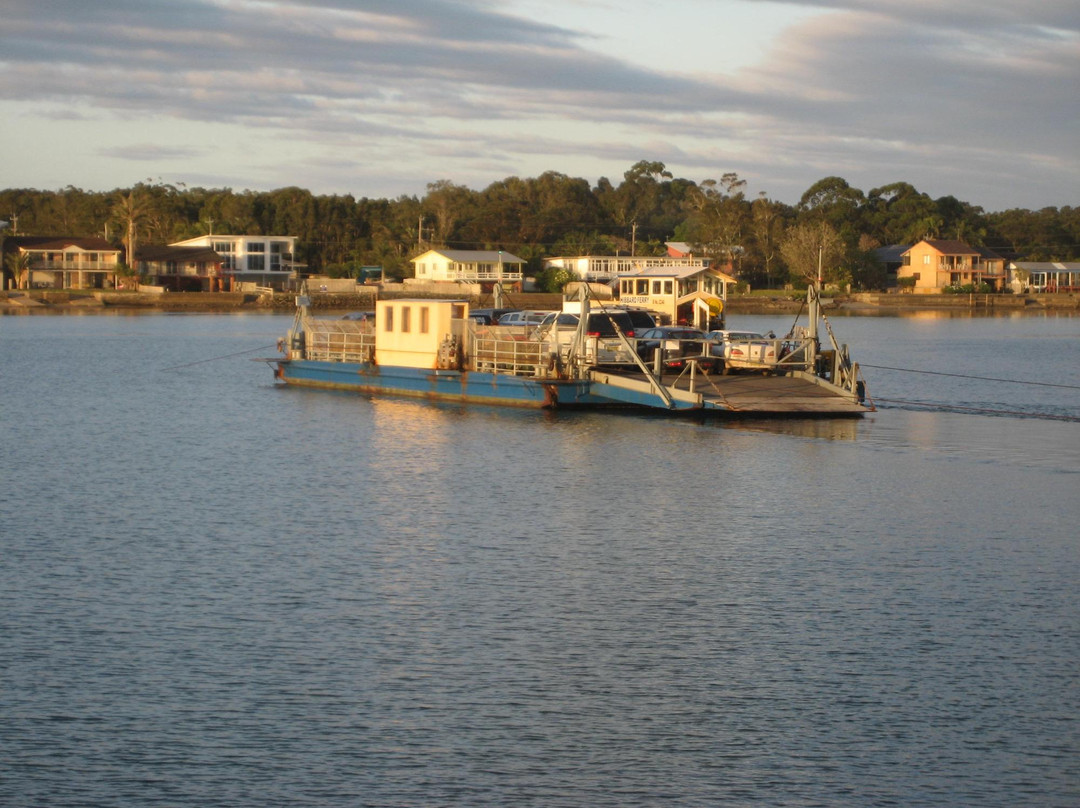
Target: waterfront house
{"points": [[1045, 276], [468, 266], [263, 260], [65, 262], [678, 294], [182, 269], [611, 267], [937, 263]]}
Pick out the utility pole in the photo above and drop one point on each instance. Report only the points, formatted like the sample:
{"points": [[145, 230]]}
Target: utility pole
{"points": [[633, 239], [419, 231]]}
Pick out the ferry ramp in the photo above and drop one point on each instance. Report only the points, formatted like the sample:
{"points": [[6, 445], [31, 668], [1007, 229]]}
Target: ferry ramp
{"points": [[750, 394]]}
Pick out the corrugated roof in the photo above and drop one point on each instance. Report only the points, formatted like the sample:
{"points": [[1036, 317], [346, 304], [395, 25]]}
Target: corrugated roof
{"points": [[1047, 266], [478, 256], [947, 247], [94, 243], [163, 252]]}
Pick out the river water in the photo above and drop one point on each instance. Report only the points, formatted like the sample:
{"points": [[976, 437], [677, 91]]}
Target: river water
{"points": [[218, 592]]}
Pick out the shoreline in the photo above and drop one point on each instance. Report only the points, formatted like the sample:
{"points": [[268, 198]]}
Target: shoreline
{"points": [[58, 301]]}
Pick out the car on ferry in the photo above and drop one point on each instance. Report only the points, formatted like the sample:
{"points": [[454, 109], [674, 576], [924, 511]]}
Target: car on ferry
{"points": [[488, 316], [603, 343], [677, 345], [528, 317], [746, 350]]}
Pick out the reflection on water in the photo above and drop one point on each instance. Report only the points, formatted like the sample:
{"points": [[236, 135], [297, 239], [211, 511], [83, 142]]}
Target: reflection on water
{"points": [[220, 592]]}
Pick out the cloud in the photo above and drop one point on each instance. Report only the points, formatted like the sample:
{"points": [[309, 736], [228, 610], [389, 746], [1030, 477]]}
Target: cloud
{"points": [[943, 92], [150, 152]]}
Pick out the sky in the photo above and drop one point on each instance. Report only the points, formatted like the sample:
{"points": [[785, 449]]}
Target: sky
{"points": [[976, 99]]}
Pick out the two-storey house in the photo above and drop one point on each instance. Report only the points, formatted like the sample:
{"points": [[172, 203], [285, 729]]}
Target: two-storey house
{"points": [[264, 260], [937, 263], [183, 269], [65, 262]]}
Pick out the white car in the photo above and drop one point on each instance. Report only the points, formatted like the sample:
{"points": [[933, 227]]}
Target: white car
{"points": [[746, 350], [529, 318]]}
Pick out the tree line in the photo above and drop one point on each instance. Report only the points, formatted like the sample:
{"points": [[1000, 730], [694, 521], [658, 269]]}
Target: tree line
{"points": [[765, 242]]}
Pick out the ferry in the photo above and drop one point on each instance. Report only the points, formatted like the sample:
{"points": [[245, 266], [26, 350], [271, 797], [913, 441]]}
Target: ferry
{"points": [[433, 349]]}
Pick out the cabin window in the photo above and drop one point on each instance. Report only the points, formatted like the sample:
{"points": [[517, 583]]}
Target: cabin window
{"points": [[389, 326], [669, 287], [642, 287], [406, 319], [656, 286], [425, 312]]}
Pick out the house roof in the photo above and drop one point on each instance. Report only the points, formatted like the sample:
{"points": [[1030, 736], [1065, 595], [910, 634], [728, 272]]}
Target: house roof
{"points": [[680, 273], [1047, 266], [893, 253], [92, 243], [163, 252], [475, 256], [946, 247]]}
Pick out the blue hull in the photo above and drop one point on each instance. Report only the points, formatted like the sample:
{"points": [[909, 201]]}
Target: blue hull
{"points": [[437, 385]]}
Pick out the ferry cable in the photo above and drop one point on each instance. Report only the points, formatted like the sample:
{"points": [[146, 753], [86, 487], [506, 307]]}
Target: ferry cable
{"points": [[966, 376], [216, 358], [985, 410]]}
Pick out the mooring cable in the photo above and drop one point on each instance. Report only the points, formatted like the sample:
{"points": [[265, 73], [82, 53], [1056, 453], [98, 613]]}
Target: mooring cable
{"points": [[967, 376], [959, 408], [216, 358]]}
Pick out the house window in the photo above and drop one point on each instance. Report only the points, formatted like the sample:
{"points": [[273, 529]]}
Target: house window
{"points": [[389, 325], [424, 318], [926, 260], [406, 317], [277, 249], [669, 287]]}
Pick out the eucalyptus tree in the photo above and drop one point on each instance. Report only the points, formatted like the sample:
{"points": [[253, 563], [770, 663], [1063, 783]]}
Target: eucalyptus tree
{"points": [[445, 205], [767, 229], [833, 201], [638, 196], [717, 217], [813, 251], [132, 210]]}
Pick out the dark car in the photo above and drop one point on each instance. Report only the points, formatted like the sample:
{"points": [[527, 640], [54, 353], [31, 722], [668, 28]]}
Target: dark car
{"points": [[641, 319], [677, 344], [488, 316]]}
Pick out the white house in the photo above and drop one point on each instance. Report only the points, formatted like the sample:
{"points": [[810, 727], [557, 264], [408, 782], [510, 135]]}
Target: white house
{"points": [[609, 267], [265, 260], [469, 266]]}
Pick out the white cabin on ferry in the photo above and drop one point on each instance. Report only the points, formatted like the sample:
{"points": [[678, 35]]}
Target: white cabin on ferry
{"points": [[679, 294], [411, 333]]}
